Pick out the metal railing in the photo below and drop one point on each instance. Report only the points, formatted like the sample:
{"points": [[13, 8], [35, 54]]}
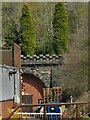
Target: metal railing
{"points": [[39, 116], [44, 115]]}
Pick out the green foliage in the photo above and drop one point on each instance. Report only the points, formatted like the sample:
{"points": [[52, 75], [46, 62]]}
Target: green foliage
{"points": [[40, 48], [43, 20], [73, 22], [10, 24], [60, 29], [49, 47], [76, 13], [76, 90], [44, 47], [27, 31], [12, 37]]}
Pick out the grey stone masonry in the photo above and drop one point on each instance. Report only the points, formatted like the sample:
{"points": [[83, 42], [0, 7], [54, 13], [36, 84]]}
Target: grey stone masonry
{"points": [[40, 66], [41, 60]]}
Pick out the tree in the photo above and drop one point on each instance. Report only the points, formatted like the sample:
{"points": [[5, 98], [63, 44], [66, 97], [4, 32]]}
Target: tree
{"points": [[27, 31], [45, 47], [10, 24], [12, 36], [60, 29]]}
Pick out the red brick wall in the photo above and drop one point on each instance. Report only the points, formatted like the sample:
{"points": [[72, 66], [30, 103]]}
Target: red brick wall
{"points": [[5, 106], [33, 86], [6, 57]]}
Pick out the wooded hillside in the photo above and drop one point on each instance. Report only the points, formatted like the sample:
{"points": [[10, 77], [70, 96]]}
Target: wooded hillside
{"points": [[72, 76]]}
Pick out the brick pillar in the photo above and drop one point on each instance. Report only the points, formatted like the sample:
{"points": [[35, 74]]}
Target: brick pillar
{"points": [[17, 62], [17, 56]]}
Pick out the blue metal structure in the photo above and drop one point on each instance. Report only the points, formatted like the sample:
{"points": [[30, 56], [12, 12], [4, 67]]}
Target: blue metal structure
{"points": [[53, 109]]}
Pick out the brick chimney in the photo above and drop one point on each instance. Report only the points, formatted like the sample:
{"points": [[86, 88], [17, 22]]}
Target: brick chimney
{"points": [[16, 56]]}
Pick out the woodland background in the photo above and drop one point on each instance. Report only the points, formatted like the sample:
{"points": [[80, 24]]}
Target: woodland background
{"points": [[72, 76]]}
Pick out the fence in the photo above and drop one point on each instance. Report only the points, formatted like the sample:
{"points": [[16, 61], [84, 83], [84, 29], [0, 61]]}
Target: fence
{"points": [[49, 116], [52, 94]]}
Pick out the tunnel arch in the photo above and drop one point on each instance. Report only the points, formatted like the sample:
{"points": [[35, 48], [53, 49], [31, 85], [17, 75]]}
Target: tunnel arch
{"points": [[33, 86]]}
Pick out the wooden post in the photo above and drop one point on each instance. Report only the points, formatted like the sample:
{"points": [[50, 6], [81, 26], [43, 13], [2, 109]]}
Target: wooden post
{"points": [[61, 113], [77, 112], [44, 112]]}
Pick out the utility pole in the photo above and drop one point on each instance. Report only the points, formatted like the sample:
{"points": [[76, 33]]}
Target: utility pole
{"points": [[51, 85], [51, 79]]}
